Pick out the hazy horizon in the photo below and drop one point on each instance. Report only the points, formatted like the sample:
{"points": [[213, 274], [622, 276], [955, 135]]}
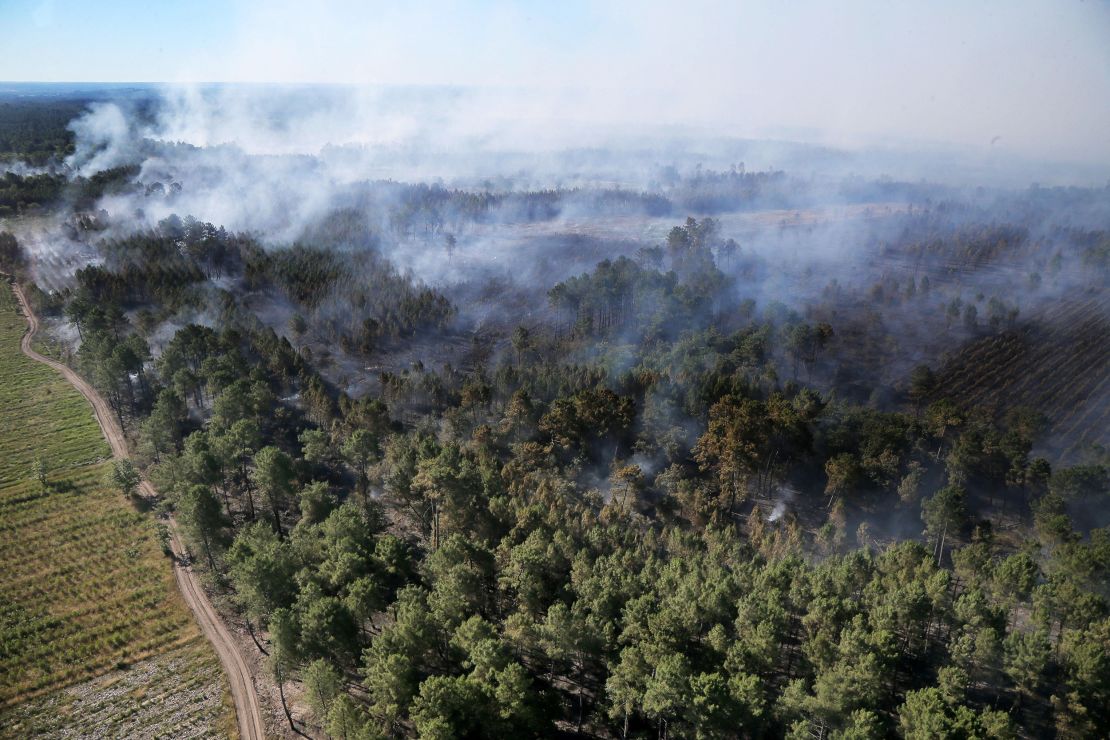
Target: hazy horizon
{"points": [[1027, 80]]}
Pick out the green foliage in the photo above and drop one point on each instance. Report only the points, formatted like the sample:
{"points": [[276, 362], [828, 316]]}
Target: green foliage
{"points": [[273, 475], [448, 707], [1027, 655], [203, 521], [22, 194], [261, 567], [37, 130], [944, 513], [316, 502], [125, 478]]}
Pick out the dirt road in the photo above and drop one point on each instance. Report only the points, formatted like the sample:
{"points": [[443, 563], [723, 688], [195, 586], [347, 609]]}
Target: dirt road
{"points": [[247, 709]]}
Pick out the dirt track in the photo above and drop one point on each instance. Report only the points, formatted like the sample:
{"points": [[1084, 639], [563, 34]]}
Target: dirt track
{"points": [[247, 709]]}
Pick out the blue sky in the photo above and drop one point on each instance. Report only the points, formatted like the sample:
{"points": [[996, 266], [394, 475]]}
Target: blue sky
{"points": [[233, 40], [1035, 73], [62, 40]]}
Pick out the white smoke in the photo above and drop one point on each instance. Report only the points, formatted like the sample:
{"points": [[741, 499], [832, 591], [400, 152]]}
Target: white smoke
{"points": [[104, 139], [783, 496]]}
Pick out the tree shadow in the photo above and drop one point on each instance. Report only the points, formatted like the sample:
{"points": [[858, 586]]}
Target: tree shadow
{"points": [[61, 486], [143, 504]]}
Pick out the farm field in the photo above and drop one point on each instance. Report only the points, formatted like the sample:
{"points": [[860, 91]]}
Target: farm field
{"points": [[93, 633]]}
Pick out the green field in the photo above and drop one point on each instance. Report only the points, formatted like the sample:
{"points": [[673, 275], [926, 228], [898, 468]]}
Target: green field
{"points": [[93, 633]]}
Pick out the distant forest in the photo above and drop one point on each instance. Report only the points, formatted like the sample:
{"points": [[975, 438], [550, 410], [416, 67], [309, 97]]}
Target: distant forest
{"points": [[35, 132]]}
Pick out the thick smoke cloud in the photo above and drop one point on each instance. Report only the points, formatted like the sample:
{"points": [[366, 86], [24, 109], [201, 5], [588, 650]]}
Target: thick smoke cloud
{"points": [[105, 139], [276, 160], [272, 159]]}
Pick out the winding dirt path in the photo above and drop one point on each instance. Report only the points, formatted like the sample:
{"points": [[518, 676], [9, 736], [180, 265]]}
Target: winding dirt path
{"points": [[248, 711]]}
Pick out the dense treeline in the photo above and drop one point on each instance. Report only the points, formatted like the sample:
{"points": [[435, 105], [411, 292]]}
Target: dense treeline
{"points": [[37, 131], [679, 543], [625, 292], [959, 237], [20, 193], [355, 300], [421, 210], [492, 589], [711, 192]]}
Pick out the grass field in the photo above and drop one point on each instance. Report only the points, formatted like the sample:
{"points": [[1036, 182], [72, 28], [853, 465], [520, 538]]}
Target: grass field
{"points": [[93, 633], [42, 414]]}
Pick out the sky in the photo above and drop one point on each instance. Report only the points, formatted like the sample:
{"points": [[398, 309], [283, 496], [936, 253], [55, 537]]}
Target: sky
{"points": [[1028, 77]]}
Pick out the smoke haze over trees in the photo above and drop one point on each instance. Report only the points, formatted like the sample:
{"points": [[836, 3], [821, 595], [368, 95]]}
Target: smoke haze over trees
{"points": [[488, 422]]}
